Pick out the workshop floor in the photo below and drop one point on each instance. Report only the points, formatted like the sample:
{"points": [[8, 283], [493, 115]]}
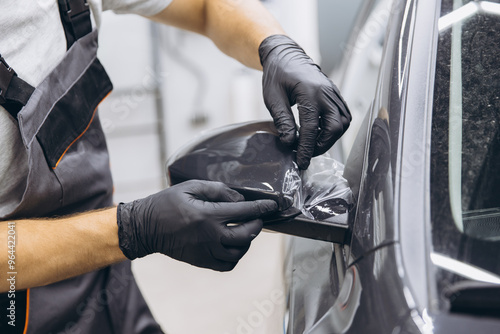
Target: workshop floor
{"points": [[250, 299]]}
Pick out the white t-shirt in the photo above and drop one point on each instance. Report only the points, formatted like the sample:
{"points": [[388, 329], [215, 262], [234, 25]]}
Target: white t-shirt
{"points": [[32, 41]]}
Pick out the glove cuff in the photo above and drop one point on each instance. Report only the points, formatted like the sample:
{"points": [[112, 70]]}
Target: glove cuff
{"points": [[275, 42], [126, 236]]}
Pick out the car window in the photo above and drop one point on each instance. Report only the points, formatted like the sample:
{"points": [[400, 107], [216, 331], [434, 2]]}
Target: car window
{"points": [[465, 141]]}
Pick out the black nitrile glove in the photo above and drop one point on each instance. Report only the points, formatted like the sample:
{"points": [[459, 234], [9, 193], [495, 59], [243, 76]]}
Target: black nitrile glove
{"points": [[188, 222], [290, 77]]}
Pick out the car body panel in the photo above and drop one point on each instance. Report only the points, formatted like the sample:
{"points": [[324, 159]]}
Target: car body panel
{"points": [[375, 231], [414, 211], [357, 307], [375, 222], [389, 172]]}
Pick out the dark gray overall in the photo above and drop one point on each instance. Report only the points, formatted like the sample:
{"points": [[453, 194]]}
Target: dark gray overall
{"points": [[68, 173]]}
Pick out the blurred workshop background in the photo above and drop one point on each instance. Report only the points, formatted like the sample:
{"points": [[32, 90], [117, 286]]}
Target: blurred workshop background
{"points": [[170, 86]]}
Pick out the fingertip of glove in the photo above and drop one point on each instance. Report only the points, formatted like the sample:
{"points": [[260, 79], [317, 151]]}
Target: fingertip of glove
{"points": [[303, 163], [267, 205], [224, 267], [235, 196], [324, 145], [288, 138]]}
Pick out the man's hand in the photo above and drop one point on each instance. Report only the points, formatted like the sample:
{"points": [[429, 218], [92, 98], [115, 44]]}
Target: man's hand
{"points": [[291, 77], [189, 222]]}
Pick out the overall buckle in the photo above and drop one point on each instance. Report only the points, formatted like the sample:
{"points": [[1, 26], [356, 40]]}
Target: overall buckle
{"points": [[6, 74], [76, 7]]}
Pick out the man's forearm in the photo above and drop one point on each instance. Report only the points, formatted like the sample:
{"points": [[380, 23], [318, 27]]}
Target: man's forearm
{"points": [[237, 27], [50, 250]]}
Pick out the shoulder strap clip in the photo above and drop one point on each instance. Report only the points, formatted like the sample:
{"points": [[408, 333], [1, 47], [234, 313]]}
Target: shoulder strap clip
{"points": [[6, 74], [75, 17], [77, 7]]}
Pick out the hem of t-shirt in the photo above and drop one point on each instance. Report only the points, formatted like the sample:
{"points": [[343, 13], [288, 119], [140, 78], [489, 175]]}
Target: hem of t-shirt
{"points": [[147, 11]]}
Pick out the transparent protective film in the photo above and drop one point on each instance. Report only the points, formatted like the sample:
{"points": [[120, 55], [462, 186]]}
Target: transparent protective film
{"points": [[251, 159], [324, 192]]}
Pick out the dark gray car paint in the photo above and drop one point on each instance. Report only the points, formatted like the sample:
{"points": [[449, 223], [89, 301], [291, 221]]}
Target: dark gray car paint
{"points": [[390, 254], [373, 232]]}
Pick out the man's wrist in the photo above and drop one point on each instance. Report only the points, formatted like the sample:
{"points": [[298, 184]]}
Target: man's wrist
{"points": [[101, 226], [273, 42], [125, 236]]}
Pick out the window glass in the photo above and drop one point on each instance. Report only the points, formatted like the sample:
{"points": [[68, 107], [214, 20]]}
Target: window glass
{"points": [[465, 145]]}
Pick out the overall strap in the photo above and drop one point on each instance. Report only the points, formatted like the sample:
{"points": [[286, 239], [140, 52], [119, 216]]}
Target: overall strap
{"points": [[14, 91], [75, 17]]}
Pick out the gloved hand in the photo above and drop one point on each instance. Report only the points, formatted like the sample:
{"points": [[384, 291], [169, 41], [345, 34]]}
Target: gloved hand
{"points": [[188, 222], [290, 77]]}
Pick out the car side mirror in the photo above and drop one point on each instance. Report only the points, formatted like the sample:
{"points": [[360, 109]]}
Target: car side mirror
{"points": [[250, 159]]}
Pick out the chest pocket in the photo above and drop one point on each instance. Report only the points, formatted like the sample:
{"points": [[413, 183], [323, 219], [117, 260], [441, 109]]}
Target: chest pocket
{"points": [[72, 115]]}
